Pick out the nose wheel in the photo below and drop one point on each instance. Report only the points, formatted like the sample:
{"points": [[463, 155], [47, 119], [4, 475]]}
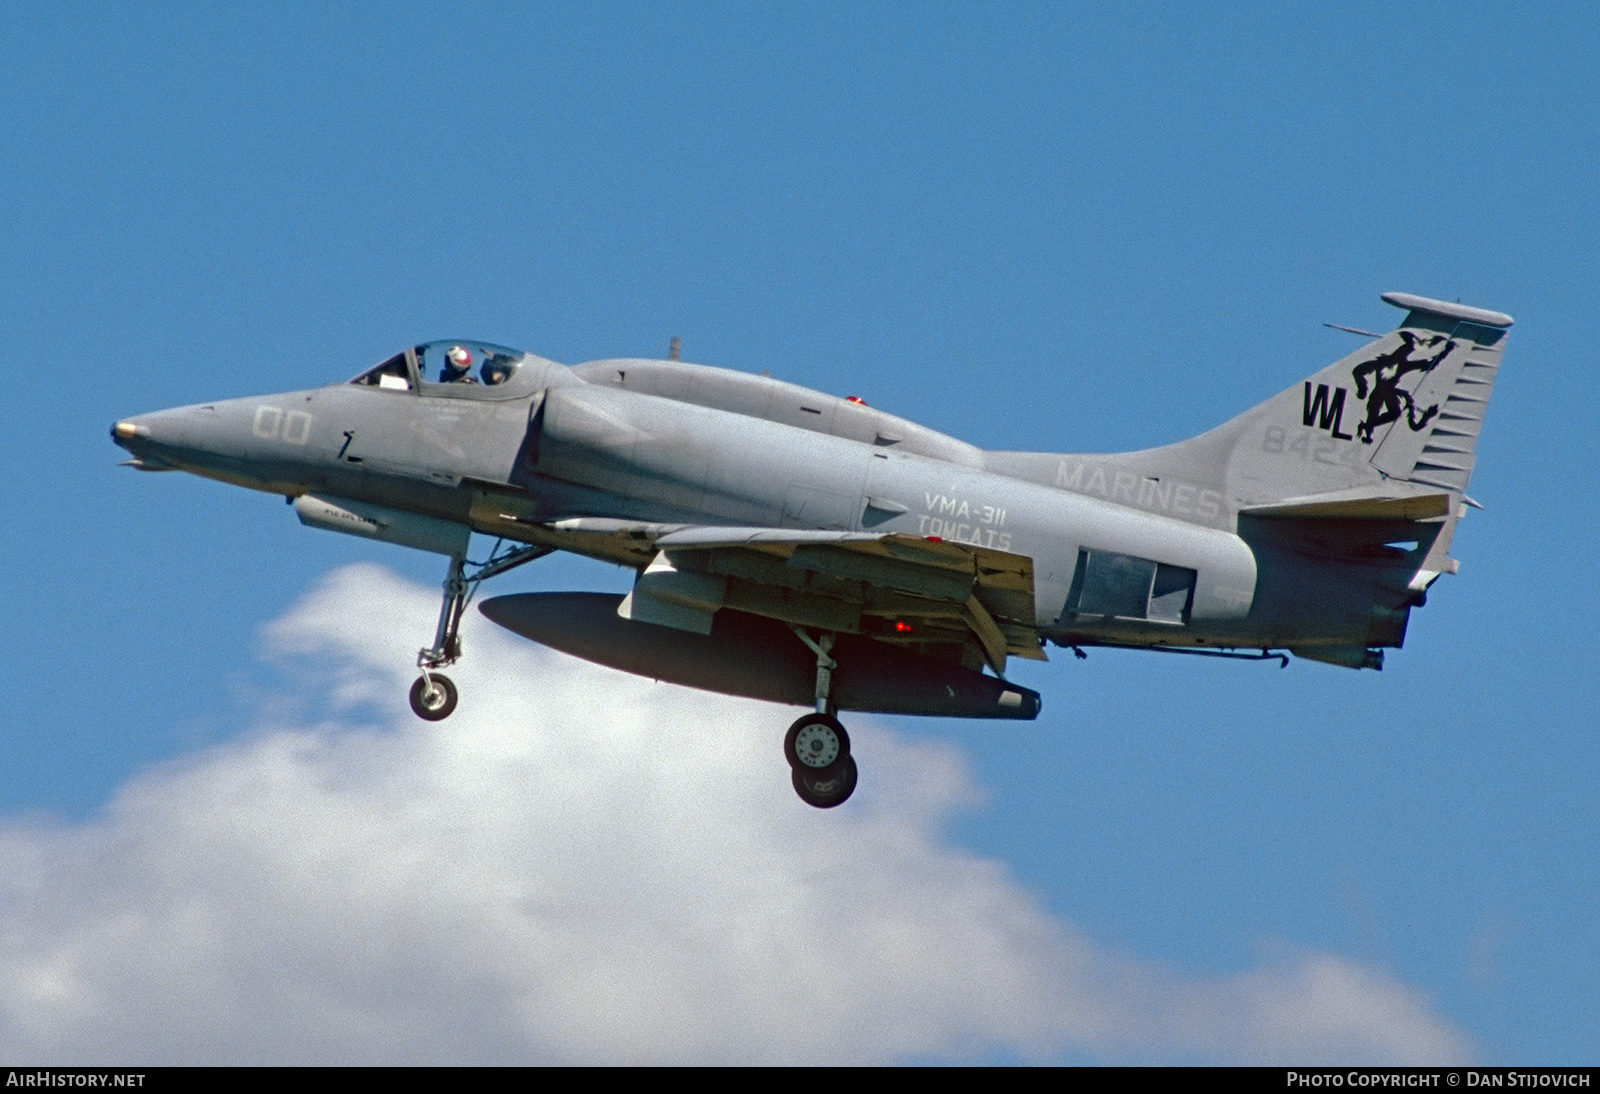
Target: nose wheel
{"points": [[433, 697]]}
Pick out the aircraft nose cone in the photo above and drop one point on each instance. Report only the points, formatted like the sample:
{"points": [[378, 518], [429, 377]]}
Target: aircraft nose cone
{"points": [[150, 437], [127, 430], [159, 429]]}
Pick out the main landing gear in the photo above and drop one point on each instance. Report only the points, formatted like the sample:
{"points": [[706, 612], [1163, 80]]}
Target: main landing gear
{"points": [[433, 694], [816, 746]]}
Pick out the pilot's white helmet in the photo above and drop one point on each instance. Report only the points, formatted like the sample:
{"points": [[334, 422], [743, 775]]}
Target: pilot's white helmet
{"points": [[459, 358]]}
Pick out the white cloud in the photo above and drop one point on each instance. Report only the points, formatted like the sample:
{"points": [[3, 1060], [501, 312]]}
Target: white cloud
{"points": [[581, 866]]}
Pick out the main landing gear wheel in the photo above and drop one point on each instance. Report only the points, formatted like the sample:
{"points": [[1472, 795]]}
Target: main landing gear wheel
{"points": [[818, 751], [817, 744], [826, 790], [433, 697]]}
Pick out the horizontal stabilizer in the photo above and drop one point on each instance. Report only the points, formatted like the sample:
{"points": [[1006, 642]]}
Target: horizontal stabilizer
{"points": [[1365, 507]]}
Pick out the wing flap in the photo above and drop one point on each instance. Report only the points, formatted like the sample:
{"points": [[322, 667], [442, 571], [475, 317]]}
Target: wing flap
{"points": [[899, 589]]}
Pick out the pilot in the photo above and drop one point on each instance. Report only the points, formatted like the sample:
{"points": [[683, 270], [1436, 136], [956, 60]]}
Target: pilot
{"points": [[496, 368], [457, 366]]}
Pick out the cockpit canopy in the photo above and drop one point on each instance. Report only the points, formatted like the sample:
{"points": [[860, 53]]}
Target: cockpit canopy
{"points": [[465, 369]]}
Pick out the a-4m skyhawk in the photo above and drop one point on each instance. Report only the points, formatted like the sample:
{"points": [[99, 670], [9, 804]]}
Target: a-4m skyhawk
{"points": [[807, 549]]}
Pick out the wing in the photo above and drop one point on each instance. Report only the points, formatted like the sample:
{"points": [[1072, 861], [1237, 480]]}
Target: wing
{"points": [[951, 600]]}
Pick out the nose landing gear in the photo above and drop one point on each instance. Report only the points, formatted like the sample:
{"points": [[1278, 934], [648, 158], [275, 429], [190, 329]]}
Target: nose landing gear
{"points": [[433, 694]]}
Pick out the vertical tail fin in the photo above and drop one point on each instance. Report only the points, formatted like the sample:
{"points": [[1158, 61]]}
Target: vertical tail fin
{"points": [[1404, 409], [1391, 428], [1458, 385]]}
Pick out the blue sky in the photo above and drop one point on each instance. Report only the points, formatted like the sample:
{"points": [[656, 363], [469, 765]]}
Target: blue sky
{"points": [[1026, 225]]}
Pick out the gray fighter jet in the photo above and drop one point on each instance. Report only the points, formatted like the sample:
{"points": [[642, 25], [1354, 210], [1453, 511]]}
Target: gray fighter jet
{"points": [[806, 549]]}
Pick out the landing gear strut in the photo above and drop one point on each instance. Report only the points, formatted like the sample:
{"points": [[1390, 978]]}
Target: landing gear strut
{"points": [[433, 694], [817, 746]]}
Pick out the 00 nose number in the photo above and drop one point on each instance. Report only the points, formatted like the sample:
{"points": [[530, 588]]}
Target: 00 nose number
{"points": [[273, 423]]}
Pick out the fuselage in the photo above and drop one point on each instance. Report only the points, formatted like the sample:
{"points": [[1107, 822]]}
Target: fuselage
{"points": [[576, 457]]}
